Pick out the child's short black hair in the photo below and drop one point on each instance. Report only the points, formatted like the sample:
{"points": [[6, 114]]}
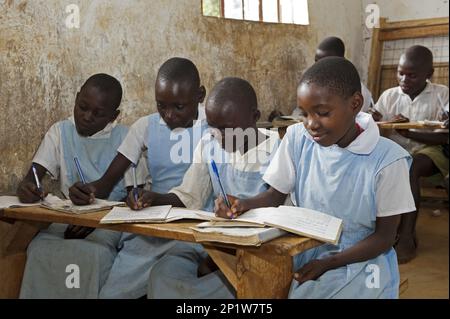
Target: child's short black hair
{"points": [[333, 45], [235, 90], [108, 85], [420, 56], [334, 73], [179, 69]]}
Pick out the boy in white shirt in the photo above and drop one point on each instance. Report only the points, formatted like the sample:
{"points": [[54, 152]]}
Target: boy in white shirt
{"points": [[417, 99]]}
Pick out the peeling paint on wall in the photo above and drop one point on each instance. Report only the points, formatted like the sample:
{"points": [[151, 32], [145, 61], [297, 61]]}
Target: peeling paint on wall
{"points": [[43, 63]]}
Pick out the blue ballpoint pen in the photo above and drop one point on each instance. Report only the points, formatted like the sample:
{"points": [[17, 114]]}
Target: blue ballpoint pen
{"points": [[80, 172], [216, 171], [135, 188]]}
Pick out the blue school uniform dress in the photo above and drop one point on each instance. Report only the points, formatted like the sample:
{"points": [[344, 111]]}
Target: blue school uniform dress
{"points": [[49, 254], [343, 182], [175, 275], [169, 155]]}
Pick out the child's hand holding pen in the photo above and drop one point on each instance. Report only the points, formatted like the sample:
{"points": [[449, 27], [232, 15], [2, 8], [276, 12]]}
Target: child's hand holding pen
{"points": [[140, 199], [237, 208], [32, 192], [82, 194]]}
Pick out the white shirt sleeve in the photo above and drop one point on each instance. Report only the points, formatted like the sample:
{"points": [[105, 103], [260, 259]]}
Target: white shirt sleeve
{"points": [[382, 105], [393, 190], [141, 173], [367, 98], [136, 140], [49, 152], [196, 186], [281, 172]]}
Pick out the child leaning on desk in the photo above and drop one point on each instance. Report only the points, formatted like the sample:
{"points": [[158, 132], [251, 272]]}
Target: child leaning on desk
{"points": [[92, 136], [418, 99], [336, 162], [179, 94], [224, 161]]}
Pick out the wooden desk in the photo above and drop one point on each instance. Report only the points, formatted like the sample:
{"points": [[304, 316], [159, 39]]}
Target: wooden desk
{"points": [[408, 126], [255, 272]]}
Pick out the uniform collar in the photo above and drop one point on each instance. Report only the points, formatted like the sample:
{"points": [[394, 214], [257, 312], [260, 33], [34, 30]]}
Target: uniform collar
{"points": [[365, 142], [427, 90]]}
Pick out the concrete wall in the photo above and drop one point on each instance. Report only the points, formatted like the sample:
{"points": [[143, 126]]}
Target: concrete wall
{"points": [[400, 10], [43, 63]]}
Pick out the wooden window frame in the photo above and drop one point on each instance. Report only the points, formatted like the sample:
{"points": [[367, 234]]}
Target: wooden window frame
{"points": [[222, 11]]}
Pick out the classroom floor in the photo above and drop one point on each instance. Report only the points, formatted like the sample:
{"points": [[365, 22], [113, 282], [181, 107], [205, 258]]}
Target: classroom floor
{"points": [[428, 273]]}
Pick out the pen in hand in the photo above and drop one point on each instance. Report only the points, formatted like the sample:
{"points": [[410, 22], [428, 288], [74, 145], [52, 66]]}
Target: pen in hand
{"points": [[38, 184], [216, 172], [135, 187]]}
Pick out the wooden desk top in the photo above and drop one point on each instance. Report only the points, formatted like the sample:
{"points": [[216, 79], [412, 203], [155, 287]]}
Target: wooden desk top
{"points": [[179, 230], [283, 123], [409, 125]]}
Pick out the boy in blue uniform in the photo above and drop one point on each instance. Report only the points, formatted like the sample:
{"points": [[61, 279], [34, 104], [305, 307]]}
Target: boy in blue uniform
{"points": [[92, 136], [186, 271], [178, 93]]}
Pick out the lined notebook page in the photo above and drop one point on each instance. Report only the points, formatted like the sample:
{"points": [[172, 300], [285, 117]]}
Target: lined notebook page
{"points": [[307, 222], [126, 215]]}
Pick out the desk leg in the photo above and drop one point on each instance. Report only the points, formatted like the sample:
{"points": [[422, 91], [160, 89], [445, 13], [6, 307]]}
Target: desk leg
{"points": [[14, 240], [262, 274]]}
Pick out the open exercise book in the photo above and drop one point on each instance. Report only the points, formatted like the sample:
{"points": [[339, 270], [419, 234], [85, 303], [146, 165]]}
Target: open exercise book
{"points": [[62, 205], [153, 214], [297, 220]]}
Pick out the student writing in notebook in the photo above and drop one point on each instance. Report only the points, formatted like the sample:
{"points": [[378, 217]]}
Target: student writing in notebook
{"points": [[92, 136], [186, 271], [178, 94], [417, 99], [321, 163]]}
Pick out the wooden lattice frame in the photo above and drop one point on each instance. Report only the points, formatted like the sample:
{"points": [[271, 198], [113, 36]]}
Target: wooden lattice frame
{"points": [[389, 31]]}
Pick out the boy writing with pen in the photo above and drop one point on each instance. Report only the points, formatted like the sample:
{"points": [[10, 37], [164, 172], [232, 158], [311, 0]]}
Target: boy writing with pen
{"points": [[79, 148], [178, 97], [230, 159]]}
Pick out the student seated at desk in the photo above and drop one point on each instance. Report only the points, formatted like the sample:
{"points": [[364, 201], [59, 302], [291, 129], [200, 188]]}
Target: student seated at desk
{"points": [[321, 162], [334, 46], [178, 93], [241, 159], [92, 136], [417, 99]]}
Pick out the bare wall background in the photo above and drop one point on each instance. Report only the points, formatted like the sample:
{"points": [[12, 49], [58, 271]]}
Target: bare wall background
{"points": [[43, 63]]}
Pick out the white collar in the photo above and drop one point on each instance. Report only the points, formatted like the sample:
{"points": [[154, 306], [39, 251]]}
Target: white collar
{"points": [[365, 142], [105, 133], [427, 90]]}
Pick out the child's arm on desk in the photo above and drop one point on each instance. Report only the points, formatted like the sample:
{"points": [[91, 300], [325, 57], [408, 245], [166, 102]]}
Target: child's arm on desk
{"points": [[374, 245], [27, 191], [429, 138], [270, 198], [84, 194], [148, 198]]}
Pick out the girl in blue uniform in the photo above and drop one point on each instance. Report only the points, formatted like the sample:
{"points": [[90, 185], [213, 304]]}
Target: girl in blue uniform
{"points": [[337, 163]]}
